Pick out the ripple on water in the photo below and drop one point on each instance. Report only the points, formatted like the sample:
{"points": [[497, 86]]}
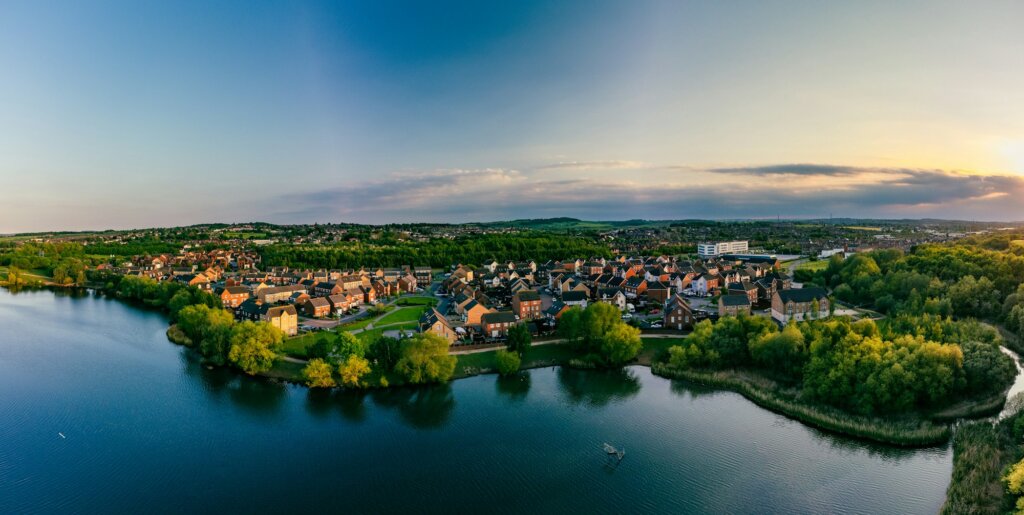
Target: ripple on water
{"points": [[150, 430]]}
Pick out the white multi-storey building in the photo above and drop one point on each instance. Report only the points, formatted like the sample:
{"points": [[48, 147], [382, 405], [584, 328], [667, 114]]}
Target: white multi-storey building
{"points": [[706, 250]]}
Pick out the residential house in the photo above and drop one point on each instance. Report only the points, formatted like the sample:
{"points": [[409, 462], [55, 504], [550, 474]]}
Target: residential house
{"points": [[432, 321], [800, 304], [317, 307], [677, 314], [407, 283], [424, 275], [634, 286], [234, 296], [496, 324], [575, 298], [733, 305], [556, 310], [658, 291], [285, 318], [526, 304], [745, 288], [613, 296], [473, 311], [274, 294], [705, 284]]}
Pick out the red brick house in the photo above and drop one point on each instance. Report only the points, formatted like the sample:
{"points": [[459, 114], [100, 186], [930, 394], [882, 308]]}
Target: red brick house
{"points": [[678, 314], [658, 291], [317, 307], [526, 304], [234, 296], [496, 324]]}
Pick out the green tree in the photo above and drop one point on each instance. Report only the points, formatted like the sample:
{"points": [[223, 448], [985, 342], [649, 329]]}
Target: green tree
{"points": [[975, 297], [570, 326], [253, 345], [780, 351], [318, 374], [519, 339], [425, 359], [620, 344], [1014, 480], [508, 362], [352, 371], [384, 351], [337, 347], [598, 319], [14, 277]]}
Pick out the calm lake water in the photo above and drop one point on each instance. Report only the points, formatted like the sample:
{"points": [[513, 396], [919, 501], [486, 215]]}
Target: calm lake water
{"points": [[149, 430]]}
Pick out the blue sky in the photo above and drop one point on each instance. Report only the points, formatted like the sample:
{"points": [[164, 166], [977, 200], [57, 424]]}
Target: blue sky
{"points": [[137, 114]]}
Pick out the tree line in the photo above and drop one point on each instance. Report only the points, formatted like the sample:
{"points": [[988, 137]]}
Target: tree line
{"points": [[867, 368], [340, 358], [437, 252]]}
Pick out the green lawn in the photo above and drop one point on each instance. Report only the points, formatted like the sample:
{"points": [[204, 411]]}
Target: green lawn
{"points": [[411, 314], [552, 354], [814, 266], [416, 301], [358, 324], [297, 346], [654, 346]]}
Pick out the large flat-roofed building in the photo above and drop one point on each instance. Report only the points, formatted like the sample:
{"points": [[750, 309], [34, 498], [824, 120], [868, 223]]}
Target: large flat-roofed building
{"points": [[706, 250]]}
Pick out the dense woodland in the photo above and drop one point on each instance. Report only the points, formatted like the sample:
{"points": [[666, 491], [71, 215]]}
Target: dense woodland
{"points": [[928, 352], [438, 252]]}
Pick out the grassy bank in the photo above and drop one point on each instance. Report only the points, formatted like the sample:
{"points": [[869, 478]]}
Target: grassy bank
{"points": [[767, 394], [981, 451], [177, 336], [537, 357]]}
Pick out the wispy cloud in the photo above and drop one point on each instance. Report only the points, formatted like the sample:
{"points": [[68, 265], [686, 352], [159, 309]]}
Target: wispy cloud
{"points": [[792, 169], [595, 165], [497, 193]]}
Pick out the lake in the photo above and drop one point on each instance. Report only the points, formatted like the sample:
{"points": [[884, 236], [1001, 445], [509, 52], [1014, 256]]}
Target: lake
{"points": [[148, 430]]}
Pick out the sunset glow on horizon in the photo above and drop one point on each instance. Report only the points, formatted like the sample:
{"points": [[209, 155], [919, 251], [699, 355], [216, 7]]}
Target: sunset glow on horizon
{"points": [[123, 114]]}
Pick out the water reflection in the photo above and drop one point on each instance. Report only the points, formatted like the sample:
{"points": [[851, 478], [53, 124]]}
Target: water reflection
{"points": [[255, 395], [424, 407], [692, 390], [351, 405], [598, 387], [515, 387]]}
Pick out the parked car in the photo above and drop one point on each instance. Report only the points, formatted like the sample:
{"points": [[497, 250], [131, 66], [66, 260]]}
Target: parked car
{"points": [[626, 316]]}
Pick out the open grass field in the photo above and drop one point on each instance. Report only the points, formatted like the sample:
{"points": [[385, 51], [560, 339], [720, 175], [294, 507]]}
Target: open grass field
{"points": [[416, 301], [296, 347], [813, 266], [410, 314]]}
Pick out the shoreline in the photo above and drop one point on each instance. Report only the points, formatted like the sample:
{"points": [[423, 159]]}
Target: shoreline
{"points": [[918, 431]]}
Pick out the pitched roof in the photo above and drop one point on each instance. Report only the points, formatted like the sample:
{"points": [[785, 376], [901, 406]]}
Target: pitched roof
{"points": [[802, 294], [319, 302], [432, 316], [277, 311], [735, 300], [527, 295], [676, 301], [498, 317], [574, 296]]}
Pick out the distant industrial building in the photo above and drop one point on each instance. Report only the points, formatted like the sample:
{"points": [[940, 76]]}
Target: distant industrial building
{"points": [[706, 250]]}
